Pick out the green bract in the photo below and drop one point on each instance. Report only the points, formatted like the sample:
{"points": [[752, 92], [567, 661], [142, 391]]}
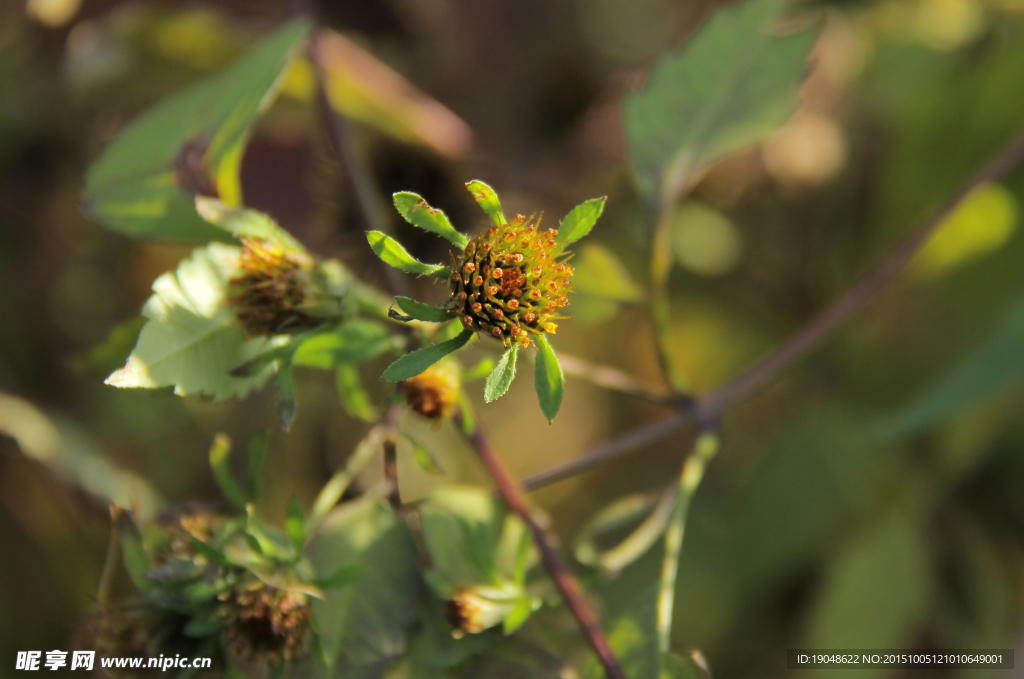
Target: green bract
{"points": [[508, 282]]}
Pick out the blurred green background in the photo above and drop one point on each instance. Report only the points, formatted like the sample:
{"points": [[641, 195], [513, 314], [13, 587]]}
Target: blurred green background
{"points": [[870, 498]]}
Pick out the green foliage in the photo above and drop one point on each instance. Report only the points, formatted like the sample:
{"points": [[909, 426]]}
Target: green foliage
{"points": [[244, 223], [354, 398], [549, 381], [487, 198], [393, 254], [423, 312], [618, 515], [219, 452], [413, 364], [728, 87], [634, 639], [417, 212], [363, 626], [580, 220], [351, 343], [191, 339], [140, 184], [501, 377]]}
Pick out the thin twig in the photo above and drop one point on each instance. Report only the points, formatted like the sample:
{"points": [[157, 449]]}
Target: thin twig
{"points": [[515, 498], [613, 378], [711, 406]]}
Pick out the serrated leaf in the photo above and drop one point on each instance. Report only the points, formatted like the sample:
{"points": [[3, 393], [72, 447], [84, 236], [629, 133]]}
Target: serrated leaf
{"points": [[730, 86], [423, 312], [351, 343], [599, 273], [413, 364], [295, 523], [220, 450], [354, 397], [192, 340], [501, 377], [417, 212], [393, 254], [548, 379], [580, 220], [245, 223], [486, 197], [135, 186]]}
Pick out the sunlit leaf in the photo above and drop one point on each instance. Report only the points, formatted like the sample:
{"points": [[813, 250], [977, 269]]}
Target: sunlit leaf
{"points": [[295, 523], [417, 212], [501, 377], [423, 312], [580, 221], [729, 86], [487, 199], [353, 342], [245, 223], [393, 254], [413, 364], [192, 340], [195, 136], [549, 380]]}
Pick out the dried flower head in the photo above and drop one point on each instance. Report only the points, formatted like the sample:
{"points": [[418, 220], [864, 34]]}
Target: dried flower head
{"points": [[265, 623], [114, 630], [434, 393], [511, 281], [269, 295]]}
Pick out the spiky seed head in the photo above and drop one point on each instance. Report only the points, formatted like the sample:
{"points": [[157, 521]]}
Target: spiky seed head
{"points": [[520, 282], [434, 393], [269, 295], [265, 625]]}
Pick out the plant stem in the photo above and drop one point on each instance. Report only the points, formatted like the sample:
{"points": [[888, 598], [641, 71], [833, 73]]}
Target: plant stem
{"points": [[339, 483], [515, 498], [711, 406], [704, 450], [660, 311], [613, 378]]}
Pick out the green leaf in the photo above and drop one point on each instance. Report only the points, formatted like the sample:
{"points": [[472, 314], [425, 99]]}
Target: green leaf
{"points": [[417, 212], [413, 364], [135, 186], [693, 666], [730, 86], [992, 367], [423, 312], [245, 223], [501, 377], [634, 639], [286, 403], [619, 514], [295, 523], [580, 221], [219, 452], [351, 343], [876, 589], [521, 612], [548, 379], [487, 199], [600, 274], [192, 340], [343, 577], [393, 254], [257, 455], [425, 459], [354, 398], [133, 552], [363, 627], [481, 369]]}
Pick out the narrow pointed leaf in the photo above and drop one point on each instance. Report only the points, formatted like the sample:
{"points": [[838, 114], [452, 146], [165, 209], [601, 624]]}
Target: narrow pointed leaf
{"points": [[413, 364], [417, 212], [354, 398], [393, 254], [219, 452], [548, 379], [580, 221], [423, 312], [501, 377], [487, 199], [295, 523]]}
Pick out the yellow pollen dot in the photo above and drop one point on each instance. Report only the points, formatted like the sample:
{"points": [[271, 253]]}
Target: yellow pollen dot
{"points": [[513, 304], [477, 307], [478, 281], [497, 273], [496, 332], [538, 270], [535, 294], [470, 267], [456, 277], [529, 317], [550, 328], [461, 296], [468, 320], [493, 290], [499, 314]]}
